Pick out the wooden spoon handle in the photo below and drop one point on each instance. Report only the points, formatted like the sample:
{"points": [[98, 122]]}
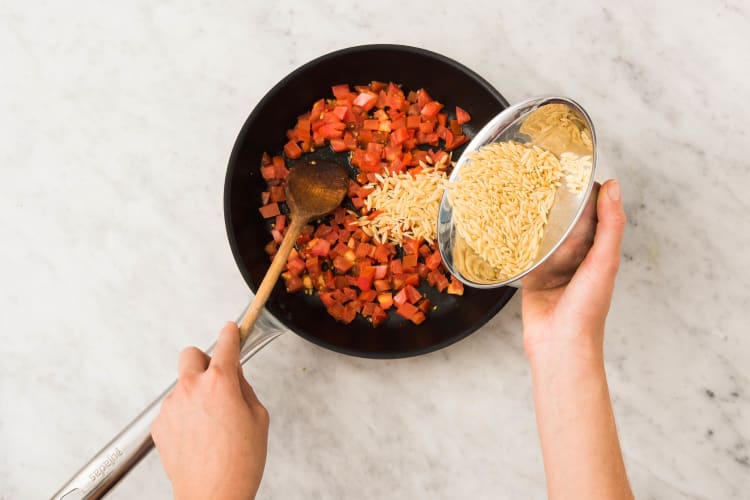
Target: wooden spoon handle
{"points": [[269, 280]]}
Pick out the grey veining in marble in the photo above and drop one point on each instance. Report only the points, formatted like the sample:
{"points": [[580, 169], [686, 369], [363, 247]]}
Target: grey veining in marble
{"points": [[116, 123]]}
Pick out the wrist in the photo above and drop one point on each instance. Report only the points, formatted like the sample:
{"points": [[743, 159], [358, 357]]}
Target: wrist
{"points": [[566, 356]]}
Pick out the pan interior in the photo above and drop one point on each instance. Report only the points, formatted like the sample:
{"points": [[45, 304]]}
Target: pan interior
{"points": [[445, 80]]}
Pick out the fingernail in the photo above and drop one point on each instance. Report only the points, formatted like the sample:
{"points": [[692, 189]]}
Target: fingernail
{"points": [[613, 190]]}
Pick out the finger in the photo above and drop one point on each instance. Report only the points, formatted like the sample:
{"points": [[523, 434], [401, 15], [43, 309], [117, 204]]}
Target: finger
{"points": [[192, 361], [227, 351], [595, 278]]}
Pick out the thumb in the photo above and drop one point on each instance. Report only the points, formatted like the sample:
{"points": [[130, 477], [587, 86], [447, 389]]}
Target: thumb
{"points": [[595, 278]]}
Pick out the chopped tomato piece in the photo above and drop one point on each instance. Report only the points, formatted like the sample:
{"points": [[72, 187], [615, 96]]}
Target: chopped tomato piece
{"points": [[431, 109], [332, 130], [409, 261], [380, 271], [407, 310], [412, 294], [399, 136], [280, 223], [401, 298], [381, 285], [378, 316], [456, 287], [340, 91], [295, 265], [342, 264], [385, 300], [270, 210], [339, 145], [418, 318], [425, 306], [462, 116], [277, 193], [340, 112], [434, 260], [368, 295], [365, 101], [319, 247]]}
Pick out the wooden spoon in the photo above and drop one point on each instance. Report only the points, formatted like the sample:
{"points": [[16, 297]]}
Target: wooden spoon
{"points": [[312, 190]]}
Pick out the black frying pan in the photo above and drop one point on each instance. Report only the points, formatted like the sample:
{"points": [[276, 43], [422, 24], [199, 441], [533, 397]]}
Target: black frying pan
{"points": [[265, 130]]}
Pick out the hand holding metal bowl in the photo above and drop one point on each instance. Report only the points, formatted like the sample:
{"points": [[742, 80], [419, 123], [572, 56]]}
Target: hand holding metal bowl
{"points": [[569, 232]]}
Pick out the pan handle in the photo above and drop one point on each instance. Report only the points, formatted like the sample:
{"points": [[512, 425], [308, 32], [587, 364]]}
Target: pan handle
{"points": [[120, 455]]}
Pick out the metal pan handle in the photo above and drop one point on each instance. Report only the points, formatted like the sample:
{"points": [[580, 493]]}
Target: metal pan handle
{"points": [[124, 451]]}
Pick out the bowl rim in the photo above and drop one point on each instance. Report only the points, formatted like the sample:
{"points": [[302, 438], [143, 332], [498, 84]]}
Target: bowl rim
{"points": [[535, 103]]}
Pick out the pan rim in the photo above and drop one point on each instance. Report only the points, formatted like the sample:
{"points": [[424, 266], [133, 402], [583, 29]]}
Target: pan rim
{"points": [[232, 165]]}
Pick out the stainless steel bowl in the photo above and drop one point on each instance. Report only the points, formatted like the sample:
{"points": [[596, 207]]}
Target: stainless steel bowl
{"points": [[572, 217]]}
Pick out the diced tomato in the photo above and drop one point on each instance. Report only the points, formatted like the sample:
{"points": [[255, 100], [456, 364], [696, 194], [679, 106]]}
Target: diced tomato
{"points": [[381, 285], [365, 101], [412, 294], [339, 145], [401, 298], [342, 264], [265, 197], [423, 98], [418, 318], [431, 109], [409, 261], [456, 287], [382, 254], [368, 308], [332, 130], [381, 272], [456, 142], [327, 299], [349, 293], [294, 284], [340, 112], [378, 316], [399, 136], [295, 266], [425, 306], [412, 122], [385, 300], [270, 210], [319, 247], [368, 295], [462, 116], [340, 91], [396, 266], [303, 129], [434, 260], [280, 223], [364, 250], [277, 193], [456, 128], [411, 279], [406, 310], [371, 125], [441, 282]]}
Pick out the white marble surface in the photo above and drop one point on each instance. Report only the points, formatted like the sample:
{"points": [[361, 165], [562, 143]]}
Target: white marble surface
{"points": [[116, 124]]}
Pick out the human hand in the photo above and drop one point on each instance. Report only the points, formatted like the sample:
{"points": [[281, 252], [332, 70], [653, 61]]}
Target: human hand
{"points": [[212, 432], [569, 314]]}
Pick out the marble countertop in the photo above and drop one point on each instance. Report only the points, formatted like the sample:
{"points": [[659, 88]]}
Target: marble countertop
{"points": [[116, 123]]}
